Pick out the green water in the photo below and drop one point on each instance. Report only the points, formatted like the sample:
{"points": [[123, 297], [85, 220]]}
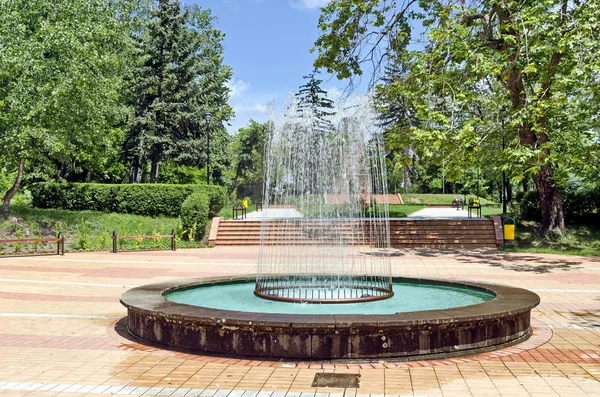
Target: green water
{"points": [[408, 297]]}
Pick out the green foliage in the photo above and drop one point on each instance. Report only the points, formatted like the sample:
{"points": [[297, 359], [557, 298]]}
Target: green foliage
{"points": [[179, 78], [6, 180], [578, 240], [99, 227], [140, 199], [312, 102], [182, 175], [436, 198], [580, 206], [62, 69], [83, 236], [507, 86], [248, 151], [194, 215], [19, 235]]}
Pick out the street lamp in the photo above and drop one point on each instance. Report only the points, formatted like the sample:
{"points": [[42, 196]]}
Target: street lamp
{"points": [[208, 118]]}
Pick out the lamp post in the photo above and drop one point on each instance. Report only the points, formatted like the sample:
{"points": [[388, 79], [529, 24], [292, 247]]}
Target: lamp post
{"points": [[208, 118], [503, 171]]}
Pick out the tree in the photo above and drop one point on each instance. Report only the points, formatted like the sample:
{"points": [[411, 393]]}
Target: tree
{"points": [[538, 60], [397, 118], [312, 102], [180, 78], [248, 151], [313, 111], [61, 71]]}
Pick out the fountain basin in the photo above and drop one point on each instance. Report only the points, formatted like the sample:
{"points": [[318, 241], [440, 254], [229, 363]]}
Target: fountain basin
{"points": [[502, 321]]}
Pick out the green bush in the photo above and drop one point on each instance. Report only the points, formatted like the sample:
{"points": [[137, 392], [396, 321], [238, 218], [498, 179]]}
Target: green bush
{"points": [[527, 206], [582, 206], [217, 199], [140, 199], [579, 206], [194, 215]]}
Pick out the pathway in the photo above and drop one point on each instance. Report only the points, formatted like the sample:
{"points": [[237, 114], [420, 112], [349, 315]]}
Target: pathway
{"points": [[62, 332], [439, 213], [274, 213]]}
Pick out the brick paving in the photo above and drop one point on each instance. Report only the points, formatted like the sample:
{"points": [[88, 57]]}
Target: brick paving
{"points": [[63, 334]]}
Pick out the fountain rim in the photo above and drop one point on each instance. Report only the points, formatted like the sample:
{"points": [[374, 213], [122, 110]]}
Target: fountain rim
{"points": [[149, 299]]}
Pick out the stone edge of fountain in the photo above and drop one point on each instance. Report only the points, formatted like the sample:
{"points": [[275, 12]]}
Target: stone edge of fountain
{"points": [[497, 323]]}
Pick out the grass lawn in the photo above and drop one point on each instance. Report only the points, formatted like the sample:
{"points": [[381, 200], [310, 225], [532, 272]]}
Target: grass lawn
{"points": [[83, 230], [227, 211], [402, 210], [437, 198], [579, 240]]}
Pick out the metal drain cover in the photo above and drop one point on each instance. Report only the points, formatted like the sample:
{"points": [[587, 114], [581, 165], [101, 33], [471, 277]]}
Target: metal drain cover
{"points": [[343, 381]]}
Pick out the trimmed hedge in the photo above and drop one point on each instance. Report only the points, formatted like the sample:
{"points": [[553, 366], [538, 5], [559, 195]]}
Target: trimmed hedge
{"points": [[139, 199], [194, 215]]}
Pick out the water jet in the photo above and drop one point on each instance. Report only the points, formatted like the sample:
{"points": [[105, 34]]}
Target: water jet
{"points": [[324, 288]]}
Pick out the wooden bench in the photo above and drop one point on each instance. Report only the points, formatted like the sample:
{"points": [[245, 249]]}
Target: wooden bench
{"points": [[172, 236], [458, 203], [59, 240]]}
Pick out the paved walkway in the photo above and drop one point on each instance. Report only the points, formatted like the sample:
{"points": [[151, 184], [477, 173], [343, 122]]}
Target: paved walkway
{"points": [[425, 213], [274, 213], [439, 213], [62, 332]]}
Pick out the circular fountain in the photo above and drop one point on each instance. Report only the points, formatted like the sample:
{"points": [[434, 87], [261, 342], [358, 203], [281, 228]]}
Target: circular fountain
{"points": [[324, 287]]}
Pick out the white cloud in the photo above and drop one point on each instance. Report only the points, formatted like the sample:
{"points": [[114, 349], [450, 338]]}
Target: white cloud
{"points": [[237, 87], [309, 4], [258, 108]]}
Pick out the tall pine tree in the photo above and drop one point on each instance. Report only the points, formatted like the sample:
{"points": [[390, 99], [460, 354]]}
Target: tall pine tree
{"points": [[397, 117], [179, 80], [314, 110], [312, 102]]}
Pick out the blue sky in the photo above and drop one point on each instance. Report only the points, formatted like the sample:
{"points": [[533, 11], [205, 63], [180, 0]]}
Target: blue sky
{"points": [[267, 43]]}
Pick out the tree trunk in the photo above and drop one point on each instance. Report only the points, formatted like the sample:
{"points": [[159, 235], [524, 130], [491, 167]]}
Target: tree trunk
{"points": [[154, 168], [134, 170], [550, 197], [550, 201], [13, 190], [63, 172], [406, 178]]}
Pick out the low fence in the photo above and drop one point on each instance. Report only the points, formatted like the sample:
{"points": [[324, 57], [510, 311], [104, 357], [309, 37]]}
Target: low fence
{"points": [[59, 239], [172, 236]]}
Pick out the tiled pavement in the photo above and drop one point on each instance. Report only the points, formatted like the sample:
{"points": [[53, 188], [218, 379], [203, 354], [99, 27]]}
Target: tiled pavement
{"points": [[61, 331]]}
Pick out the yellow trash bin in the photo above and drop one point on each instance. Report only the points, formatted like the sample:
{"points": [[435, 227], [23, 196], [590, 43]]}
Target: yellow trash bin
{"points": [[245, 203], [509, 232], [509, 225]]}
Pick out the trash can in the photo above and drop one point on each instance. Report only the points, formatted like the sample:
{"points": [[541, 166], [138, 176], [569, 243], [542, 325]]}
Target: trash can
{"points": [[245, 203], [508, 226]]}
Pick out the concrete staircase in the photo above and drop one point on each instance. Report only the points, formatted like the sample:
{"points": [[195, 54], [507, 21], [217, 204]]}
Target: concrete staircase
{"points": [[443, 233], [404, 233]]}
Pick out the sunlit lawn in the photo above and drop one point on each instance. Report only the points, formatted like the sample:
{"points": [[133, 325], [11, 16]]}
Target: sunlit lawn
{"points": [[579, 240], [84, 230]]}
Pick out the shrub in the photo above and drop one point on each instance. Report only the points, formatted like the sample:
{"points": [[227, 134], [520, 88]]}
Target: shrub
{"points": [[217, 199], [194, 215], [579, 206], [582, 206], [140, 199], [527, 206]]}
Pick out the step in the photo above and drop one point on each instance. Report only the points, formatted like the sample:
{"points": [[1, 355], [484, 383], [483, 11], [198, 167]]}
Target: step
{"points": [[434, 233]]}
